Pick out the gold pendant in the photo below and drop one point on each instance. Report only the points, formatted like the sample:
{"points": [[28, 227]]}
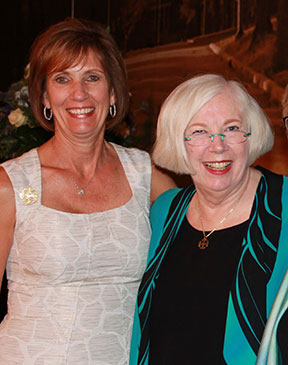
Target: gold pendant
{"points": [[203, 244]]}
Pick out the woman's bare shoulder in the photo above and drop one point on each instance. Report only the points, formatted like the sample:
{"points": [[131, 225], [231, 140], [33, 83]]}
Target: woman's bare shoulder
{"points": [[7, 219], [6, 188], [161, 181]]}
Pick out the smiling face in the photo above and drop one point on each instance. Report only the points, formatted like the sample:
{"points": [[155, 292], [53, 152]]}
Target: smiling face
{"points": [[218, 166], [79, 97]]}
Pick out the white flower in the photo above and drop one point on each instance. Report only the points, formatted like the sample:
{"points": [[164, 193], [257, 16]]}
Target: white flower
{"points": [[21, 96], [17, 118], [24, 91]]}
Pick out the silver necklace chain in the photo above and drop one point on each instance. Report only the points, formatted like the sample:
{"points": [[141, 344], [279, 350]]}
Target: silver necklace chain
{"points": [[80, 191]]}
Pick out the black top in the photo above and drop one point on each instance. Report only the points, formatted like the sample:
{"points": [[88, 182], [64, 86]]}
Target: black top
{"points": [[190, 300]]}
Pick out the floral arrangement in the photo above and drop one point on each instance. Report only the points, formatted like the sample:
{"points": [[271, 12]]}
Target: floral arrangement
{"points": [[19, 131]]}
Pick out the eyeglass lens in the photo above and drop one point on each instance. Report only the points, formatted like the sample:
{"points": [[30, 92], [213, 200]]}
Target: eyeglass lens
{"points": [[229, 137]]}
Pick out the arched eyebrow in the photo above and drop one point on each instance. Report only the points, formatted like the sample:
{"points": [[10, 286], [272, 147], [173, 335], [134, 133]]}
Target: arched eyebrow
{"points": [[231, 120]]}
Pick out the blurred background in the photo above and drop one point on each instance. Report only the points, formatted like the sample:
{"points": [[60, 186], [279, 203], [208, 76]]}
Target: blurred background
{"points": [[134, 24]]}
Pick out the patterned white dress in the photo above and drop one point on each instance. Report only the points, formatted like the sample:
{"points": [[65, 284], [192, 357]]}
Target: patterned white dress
{"points": [[73, 278]]}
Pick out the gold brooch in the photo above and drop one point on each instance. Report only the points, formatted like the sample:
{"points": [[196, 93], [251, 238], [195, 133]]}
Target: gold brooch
{"points": [[29, 195]]}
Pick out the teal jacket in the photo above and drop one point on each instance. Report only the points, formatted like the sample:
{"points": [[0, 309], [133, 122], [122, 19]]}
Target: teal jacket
{"points": [[264, 256]]}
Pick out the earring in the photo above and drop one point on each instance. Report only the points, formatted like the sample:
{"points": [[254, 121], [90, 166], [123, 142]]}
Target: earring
{"points": [[47, 113], [112, 111]]}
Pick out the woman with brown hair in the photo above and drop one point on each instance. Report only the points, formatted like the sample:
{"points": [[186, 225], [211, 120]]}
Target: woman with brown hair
{"points": [[74, 212]]}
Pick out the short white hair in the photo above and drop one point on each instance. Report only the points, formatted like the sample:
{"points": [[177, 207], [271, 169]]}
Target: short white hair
{"points": [[185, 101]]}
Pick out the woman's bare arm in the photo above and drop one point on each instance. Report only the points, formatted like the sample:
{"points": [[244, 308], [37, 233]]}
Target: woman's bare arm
{"points": [[7, 219], [161, 182]]}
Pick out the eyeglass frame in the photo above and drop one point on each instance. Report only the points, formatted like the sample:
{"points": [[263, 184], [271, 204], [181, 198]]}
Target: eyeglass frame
{"points": [[285, 121], [222, 136]]}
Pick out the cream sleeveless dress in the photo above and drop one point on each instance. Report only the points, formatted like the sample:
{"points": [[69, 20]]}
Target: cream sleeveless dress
{"points": [[73, 278]]}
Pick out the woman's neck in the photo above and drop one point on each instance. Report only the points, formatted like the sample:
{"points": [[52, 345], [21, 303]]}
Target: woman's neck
{"points": [[82, 160], [233, 207]]}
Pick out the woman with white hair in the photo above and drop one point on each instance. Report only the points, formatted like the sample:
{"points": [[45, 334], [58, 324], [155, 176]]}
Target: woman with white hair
{"points": [[218, 247]]}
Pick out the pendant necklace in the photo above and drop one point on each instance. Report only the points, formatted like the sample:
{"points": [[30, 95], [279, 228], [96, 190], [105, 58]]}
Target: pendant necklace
{"points": [[204, 242], [80, 191]]}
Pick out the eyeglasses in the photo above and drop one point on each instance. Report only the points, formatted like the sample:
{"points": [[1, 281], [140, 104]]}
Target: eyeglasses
{"points": [[285, 120], [202, 138]]}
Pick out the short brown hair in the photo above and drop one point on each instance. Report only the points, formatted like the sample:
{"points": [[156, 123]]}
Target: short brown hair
{"points": [[61, 46]]}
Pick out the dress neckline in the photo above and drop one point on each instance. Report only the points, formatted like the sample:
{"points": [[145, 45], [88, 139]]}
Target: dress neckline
{"points": [[123, 163]]}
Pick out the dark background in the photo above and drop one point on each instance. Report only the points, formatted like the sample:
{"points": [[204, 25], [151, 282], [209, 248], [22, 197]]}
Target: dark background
{"points": [[22, 20], [133, 23], [136, 24]]}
